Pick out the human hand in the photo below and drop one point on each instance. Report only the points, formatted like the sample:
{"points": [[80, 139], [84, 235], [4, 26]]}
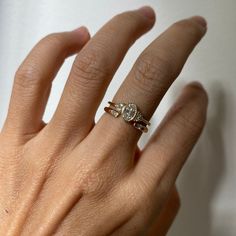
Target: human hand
{"points": [[74, 177]]}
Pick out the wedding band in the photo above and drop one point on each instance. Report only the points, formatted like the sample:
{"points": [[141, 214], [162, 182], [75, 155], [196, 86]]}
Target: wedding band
{"points": [[130, 113]]}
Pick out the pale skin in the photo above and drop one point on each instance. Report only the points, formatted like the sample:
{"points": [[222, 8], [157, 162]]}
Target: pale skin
{"points": [[74, 177]]}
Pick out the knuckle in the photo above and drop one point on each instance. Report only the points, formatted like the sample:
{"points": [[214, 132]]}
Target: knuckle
{"points": [[194, 125], [132, 201], [194, 120], [143, 204], [190, 27], [151, 71], [94, 184], [130, 195], [89, 70], [55, 39], [27, 76], [141, 193], [96, 180], [126, 16], [58, 43]]}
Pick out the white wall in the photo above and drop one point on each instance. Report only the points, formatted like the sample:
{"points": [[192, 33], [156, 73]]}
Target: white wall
{"points": [[207, 183]]}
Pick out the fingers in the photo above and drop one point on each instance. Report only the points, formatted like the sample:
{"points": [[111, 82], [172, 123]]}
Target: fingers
{"points": [[93, 69], [153, 73], [164, 220], [171, 144], [33, 79]]}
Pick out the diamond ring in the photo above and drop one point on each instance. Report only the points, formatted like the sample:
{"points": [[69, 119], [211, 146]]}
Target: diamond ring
{"points": [[130, 113]]}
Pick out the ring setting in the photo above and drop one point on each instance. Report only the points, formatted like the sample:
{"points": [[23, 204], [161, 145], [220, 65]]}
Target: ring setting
{"points": [[130, 113]]}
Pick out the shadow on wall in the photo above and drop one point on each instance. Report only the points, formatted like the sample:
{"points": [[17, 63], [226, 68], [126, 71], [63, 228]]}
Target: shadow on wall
{"points": [[202, 174]]}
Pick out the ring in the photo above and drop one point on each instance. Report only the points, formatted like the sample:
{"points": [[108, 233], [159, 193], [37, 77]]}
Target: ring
{"points": [[130, 113]]}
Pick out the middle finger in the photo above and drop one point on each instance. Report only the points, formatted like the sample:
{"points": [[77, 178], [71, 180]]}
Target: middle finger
{"points": [[93, 69]]}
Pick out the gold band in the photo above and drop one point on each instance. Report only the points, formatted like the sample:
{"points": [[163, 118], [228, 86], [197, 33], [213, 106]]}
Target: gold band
{"points": [[130, 113]]}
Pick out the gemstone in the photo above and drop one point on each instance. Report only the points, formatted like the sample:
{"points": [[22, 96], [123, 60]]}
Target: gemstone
{"points": [[141, 127], [137, 125], [114, 113], [119, 106], [129, 111], [138, 117]]}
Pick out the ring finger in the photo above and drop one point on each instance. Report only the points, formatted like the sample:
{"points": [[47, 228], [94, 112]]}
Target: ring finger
{"points": [[152, 74]]}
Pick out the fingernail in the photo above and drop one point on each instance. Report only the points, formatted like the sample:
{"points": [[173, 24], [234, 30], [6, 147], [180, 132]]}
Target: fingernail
{"points": [[82, 32], [147, 11], [200, 20]]}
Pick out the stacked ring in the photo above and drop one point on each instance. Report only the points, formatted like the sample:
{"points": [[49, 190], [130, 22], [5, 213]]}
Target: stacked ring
{"points": [[130, 113]]}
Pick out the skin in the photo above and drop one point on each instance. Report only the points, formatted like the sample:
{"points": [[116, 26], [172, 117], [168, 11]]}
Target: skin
{"points": [[74, 177]]}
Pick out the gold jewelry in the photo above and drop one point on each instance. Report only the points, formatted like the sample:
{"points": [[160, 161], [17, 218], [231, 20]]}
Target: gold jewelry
{"points": [[130, 113]]}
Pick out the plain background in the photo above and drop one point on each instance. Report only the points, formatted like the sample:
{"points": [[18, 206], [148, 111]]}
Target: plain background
{"points": [[207, 183]]}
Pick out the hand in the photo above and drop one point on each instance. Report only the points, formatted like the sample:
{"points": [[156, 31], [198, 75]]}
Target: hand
{"points": [[72, 177]]}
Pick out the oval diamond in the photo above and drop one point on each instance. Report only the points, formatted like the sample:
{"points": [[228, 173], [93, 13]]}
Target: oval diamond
{"points": [[129, 111]]}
